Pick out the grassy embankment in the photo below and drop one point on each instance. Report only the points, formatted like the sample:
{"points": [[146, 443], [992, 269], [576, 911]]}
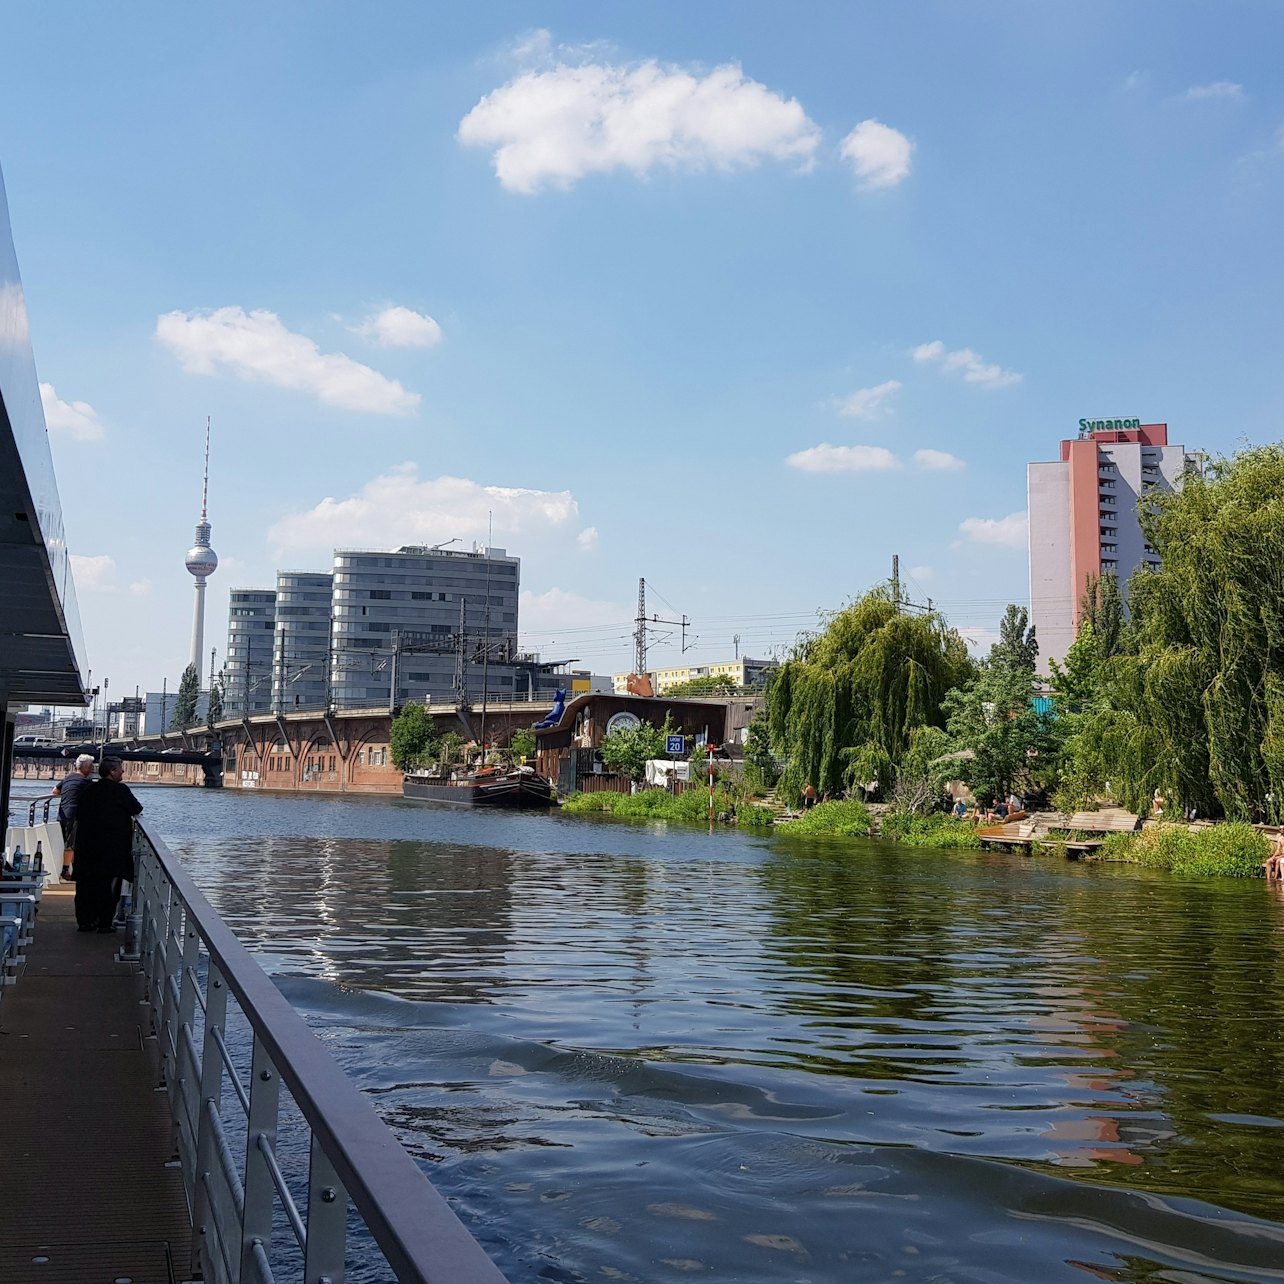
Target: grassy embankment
{"points": [[659, 804], [841, 819], [1232, 850]]}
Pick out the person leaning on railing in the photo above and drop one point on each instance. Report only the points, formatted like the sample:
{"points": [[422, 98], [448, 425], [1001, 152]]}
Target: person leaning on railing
{"points": [[104, 845]]}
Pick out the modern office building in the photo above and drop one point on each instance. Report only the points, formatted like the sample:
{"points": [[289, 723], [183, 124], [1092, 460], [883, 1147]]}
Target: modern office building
{"points": [[301, 646], [427, 596], [248, 668], [1084, 518]]}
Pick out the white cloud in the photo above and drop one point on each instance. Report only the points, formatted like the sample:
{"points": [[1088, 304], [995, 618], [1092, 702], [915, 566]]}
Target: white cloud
{"points": [[576, 626], [587, 538], [879, 154], [141, 588], [399, 507], [1223, 90], [93, 574], [256, 346], [967, 363], [1135, 79], [869, 403], [938, 461], [843, 459], [75, 419], [398, 327], [923, 573], [1004, 532], [551, 127]]}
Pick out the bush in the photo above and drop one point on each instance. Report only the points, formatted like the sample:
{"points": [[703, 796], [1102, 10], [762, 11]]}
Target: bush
{"points": [[659, 804], [1220, 851], [936, 829], [848, 819]]}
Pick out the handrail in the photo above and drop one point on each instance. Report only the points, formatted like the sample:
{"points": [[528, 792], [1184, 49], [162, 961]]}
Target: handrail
{"points": [[416, 1230]]}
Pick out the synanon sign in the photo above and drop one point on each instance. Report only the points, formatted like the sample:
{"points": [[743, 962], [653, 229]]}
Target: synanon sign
{"points": [[1107, 425]]}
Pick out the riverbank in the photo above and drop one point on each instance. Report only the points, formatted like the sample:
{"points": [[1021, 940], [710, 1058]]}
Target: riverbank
{"points": [[1228, 850]]}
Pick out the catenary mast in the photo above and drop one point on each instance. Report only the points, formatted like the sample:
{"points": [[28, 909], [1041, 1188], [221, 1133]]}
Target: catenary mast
{"points": [[201, 562]]}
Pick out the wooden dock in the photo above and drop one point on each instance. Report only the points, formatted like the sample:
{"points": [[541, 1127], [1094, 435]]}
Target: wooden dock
{"points": [[86, 1188]]}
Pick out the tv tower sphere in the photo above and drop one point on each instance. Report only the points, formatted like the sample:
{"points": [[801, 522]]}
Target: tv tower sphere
{"points": [[201, 559]]}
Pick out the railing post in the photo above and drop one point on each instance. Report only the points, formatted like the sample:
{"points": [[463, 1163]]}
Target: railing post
{"points": [[265, 1093], [172, 956], [211, 1090], [327, 1221]]}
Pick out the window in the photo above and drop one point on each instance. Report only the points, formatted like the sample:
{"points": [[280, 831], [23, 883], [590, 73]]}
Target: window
{"points": [[384, 595]]}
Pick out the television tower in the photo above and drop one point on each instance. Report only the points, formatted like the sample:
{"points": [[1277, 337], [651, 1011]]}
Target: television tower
{"points": [[202, 562]]}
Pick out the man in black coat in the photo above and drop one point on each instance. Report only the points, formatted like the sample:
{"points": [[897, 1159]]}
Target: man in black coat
{"points": [[104, 845]]}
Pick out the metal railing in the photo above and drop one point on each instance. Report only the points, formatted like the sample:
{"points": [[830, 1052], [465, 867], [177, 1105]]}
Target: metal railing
{"points": [[238, 1188]]}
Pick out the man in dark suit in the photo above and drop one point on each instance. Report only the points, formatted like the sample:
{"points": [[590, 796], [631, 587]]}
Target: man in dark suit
{"points": [[104, 845]]}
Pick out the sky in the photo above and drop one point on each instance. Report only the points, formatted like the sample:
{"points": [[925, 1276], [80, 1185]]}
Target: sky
{"points": [[739, 298]]}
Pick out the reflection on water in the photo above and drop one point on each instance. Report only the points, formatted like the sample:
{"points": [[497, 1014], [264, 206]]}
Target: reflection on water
{"points": [[653, 1053]]}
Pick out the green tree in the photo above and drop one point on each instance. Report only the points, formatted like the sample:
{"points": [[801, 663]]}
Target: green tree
{"points": [[522, 742], [762, 769], [872, 675], [214, 714], [994, 718], [628, 749], [414, 737], [189, 690], [1017, 646], [1102, 609], [1192, 701], [1077, 683], [717, 685]]}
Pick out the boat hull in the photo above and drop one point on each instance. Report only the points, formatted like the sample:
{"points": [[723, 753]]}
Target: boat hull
{"points": [[517, 792]]}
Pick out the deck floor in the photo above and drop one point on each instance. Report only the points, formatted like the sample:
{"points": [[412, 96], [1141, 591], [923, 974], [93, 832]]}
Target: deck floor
{"points": [[87, 1188]]}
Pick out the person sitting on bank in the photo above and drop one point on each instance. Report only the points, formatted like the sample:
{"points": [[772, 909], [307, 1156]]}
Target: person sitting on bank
{"points": [[1274, 863], [959, 810], [1157, 804]]}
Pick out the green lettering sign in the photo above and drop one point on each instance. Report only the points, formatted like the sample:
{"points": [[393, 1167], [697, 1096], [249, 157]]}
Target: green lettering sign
{"points": [[1107, 425]]}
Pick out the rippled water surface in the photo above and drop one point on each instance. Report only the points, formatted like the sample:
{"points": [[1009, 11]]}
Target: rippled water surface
{"points": [[650, 1053]]}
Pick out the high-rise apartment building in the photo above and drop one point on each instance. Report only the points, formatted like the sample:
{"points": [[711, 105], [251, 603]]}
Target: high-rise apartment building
{"points": [[248, 669], [428, 596], [1084, 518], [301, 645]]}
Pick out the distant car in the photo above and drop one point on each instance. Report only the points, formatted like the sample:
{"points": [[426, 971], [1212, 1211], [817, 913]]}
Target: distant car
{"points": [[34, 742]]}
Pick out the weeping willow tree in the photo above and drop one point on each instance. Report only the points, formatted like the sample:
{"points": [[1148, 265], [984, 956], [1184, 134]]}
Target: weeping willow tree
{"points": [[1193, 702], [853, 693]]}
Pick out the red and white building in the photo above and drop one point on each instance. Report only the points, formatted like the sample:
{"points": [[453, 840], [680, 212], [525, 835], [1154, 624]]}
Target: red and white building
{"points": [[1084, 518]]}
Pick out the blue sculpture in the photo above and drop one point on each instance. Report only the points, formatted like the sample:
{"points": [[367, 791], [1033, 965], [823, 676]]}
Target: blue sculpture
{"points": [[555, 716]]}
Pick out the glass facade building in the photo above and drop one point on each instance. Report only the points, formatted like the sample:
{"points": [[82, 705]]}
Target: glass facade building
{"points": [[428, 596], [247, 671], [301, 646]]}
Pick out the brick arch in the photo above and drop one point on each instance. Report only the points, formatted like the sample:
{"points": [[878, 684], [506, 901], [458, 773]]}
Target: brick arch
{"points": [[370, 766], [320, 765]]}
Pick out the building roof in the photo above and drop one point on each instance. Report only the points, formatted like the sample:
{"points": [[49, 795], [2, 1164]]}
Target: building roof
{"points": [[41, 650]]}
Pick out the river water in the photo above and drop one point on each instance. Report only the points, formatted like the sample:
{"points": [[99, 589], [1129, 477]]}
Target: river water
{"points": [[653, 1053]]}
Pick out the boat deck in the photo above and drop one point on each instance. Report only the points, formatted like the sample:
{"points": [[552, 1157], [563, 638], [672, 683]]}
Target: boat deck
{"points": [[86, 1190]]}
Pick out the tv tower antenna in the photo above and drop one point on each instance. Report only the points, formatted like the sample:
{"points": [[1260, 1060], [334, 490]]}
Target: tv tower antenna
{"points": [[201, 562]]}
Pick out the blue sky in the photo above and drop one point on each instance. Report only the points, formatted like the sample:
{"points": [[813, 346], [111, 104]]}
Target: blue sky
{"points": [[743, 298]]}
